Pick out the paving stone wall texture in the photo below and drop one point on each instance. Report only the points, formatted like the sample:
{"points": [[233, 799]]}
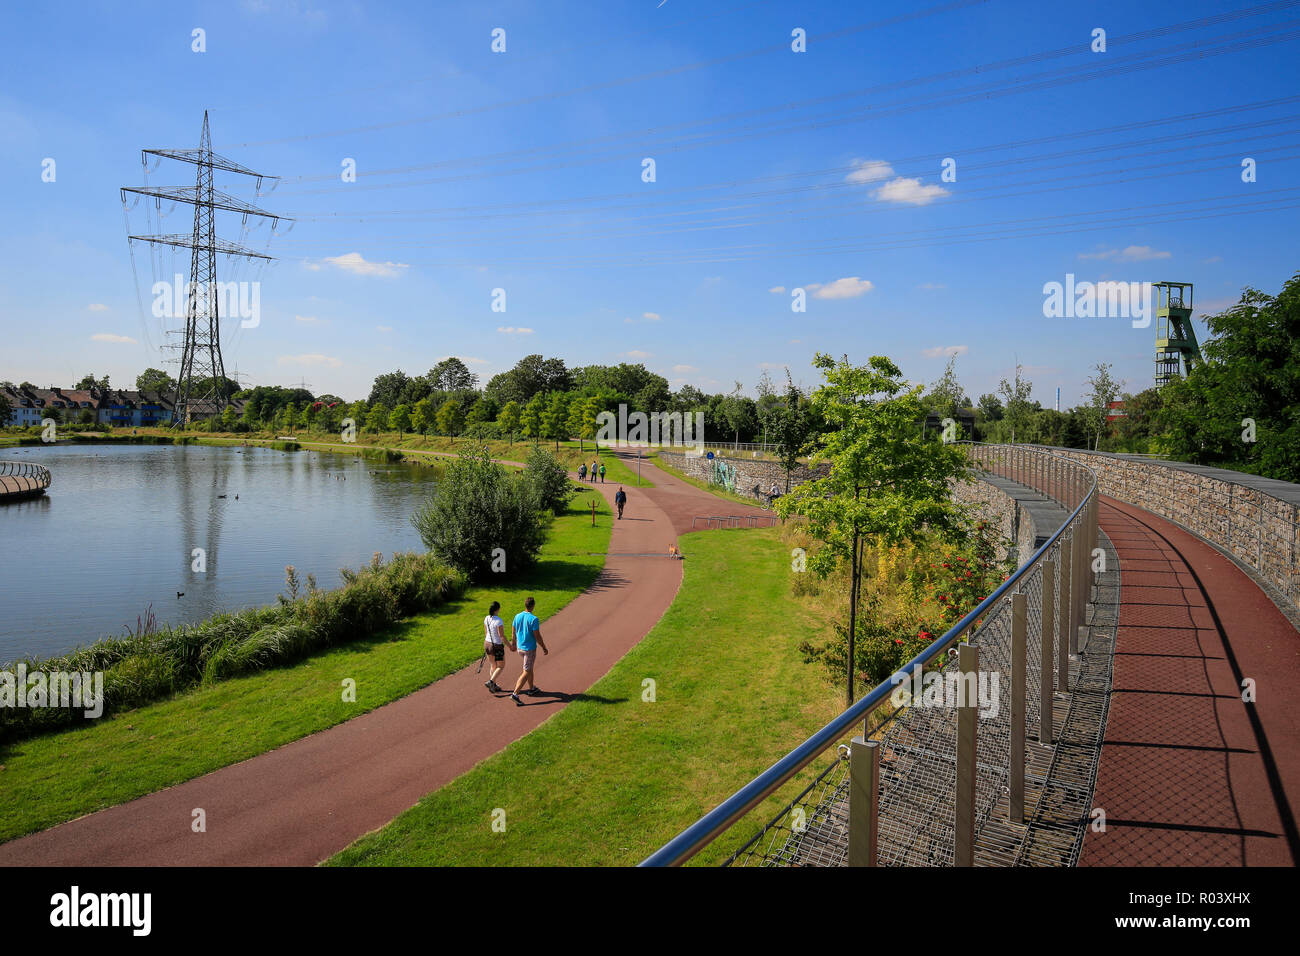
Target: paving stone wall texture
{"points": [[749, 471], [1255, 520]]}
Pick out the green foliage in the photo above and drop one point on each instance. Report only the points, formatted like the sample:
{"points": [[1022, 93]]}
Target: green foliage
{"points": [[150, 663], [508, 421], [548, 480], [451, 418], [400, 419], [1251, 370], [477, 508]]}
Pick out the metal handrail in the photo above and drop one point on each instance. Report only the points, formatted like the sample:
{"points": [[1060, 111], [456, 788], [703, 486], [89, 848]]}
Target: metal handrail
{"points": [[26, 469], [710, 826]]}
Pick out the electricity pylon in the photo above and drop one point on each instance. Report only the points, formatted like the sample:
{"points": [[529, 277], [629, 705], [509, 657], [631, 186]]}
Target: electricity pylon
{"points": [[200, 386]]}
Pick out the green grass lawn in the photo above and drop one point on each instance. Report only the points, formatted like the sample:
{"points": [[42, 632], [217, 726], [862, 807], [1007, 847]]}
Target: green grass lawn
{"points": [[49, 779], [611, 777]]}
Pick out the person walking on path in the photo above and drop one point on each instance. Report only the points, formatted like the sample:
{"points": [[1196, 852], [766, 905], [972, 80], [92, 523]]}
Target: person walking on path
{"points": [[528, 635], [494, 645], [582, 472], [602, 474], [594, 466], [620, 499]]}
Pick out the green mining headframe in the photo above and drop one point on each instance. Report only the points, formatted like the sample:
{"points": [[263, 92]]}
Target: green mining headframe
{"points": [[1176, 347]]}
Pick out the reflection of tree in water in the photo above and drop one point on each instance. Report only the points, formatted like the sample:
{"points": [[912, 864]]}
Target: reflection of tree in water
{"points": [[722, 474]]}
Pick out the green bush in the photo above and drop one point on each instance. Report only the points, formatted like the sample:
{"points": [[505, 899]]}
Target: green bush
{"points": [[477, 508], [548, 480], [150, 663]]}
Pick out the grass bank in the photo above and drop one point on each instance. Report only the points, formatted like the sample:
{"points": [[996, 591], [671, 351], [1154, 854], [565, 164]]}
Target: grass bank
{"points": [[56, 777], [613, 776]]}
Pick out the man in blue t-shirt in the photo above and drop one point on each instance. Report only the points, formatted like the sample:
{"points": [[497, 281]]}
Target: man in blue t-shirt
{"points": [[528, 635]]}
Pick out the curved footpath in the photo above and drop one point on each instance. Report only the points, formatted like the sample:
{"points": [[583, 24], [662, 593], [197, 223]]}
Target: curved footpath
{"points": [[305, 801], [1191, 774]]}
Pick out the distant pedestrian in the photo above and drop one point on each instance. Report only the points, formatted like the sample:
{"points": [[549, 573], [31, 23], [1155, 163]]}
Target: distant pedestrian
{"points": [[602, 473], [582, 472], [494, 645], [620, 499], [528, 635]]}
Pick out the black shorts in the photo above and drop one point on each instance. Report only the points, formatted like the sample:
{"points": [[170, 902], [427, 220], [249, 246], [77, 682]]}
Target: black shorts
{"points": [[498, 651]]}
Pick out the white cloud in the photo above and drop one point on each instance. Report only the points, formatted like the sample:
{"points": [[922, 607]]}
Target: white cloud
{"points": [[355, 263], [511, 330], [932, 285], [383, 328], [311, 358], [777, 288], [1211, 261], [943, 351], [313, 266], [1127, 254], [97, 307], [869, 171], [794, 342], [684, 369], [763, 365], [309, 319], [849, 287], [638, 354], [652, 316], [909, 191], [110, 337]]}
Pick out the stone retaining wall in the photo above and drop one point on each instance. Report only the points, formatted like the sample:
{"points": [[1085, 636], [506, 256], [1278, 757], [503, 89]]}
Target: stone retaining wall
{"points": [[1255, 520], [748, 471], [1010, 521]]}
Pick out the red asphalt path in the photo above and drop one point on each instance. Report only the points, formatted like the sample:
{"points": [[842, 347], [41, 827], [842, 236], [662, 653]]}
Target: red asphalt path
{"points": [[310, 798], [1190, 774]]}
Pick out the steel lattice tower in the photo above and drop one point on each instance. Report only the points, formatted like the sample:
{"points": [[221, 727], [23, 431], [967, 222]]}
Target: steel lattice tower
{"points": [[200, 384]]}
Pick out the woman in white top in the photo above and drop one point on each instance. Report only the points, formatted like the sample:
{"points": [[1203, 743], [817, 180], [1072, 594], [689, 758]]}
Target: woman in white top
{"points": [[494, 644]]}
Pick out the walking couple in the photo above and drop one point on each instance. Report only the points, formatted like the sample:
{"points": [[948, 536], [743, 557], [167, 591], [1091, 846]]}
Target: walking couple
{"points": [[527, 629]]}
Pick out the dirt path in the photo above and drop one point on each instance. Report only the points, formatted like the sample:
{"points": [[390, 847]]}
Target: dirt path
{"points": [[1190, 774], [305, 801]]}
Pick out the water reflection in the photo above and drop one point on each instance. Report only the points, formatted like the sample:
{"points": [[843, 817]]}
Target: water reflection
{"points": [[118, 529]]}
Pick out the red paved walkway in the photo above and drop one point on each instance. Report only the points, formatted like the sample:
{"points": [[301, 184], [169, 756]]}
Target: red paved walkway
{"points": [[310, 798], [1190, 774]]}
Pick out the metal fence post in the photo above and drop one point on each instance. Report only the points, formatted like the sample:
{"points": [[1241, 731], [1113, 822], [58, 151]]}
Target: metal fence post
{"points": [[1045, 658], [1016, 802], [864, 784], [1065, 640], [963, 854]]}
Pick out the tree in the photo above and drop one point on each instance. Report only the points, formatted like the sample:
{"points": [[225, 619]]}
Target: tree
{"points": [[6, 410], [451, 375], [422, 416], [479, 515], [1240, 406], [509, 420], [769, 403], [946, 394], [228, 418], [89, 381], [548, 480], [582, 417], [155, 380], [886, 480], [738, 412], [791, 428], [388, 388], [555, 420], [400, 419], [1019, 408], [1104, 391], [450, 418], [377, 418], [531, 418], [531, 376], [991, 407]]}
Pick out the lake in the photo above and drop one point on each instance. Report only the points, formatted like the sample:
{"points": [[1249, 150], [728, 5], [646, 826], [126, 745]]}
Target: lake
{"points": [[118, 529]]}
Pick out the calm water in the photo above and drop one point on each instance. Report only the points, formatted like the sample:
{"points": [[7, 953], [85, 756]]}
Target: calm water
{"points": [[116, 531]]}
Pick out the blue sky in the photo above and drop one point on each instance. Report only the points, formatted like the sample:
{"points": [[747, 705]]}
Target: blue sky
{"points": [[523, 171]]}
